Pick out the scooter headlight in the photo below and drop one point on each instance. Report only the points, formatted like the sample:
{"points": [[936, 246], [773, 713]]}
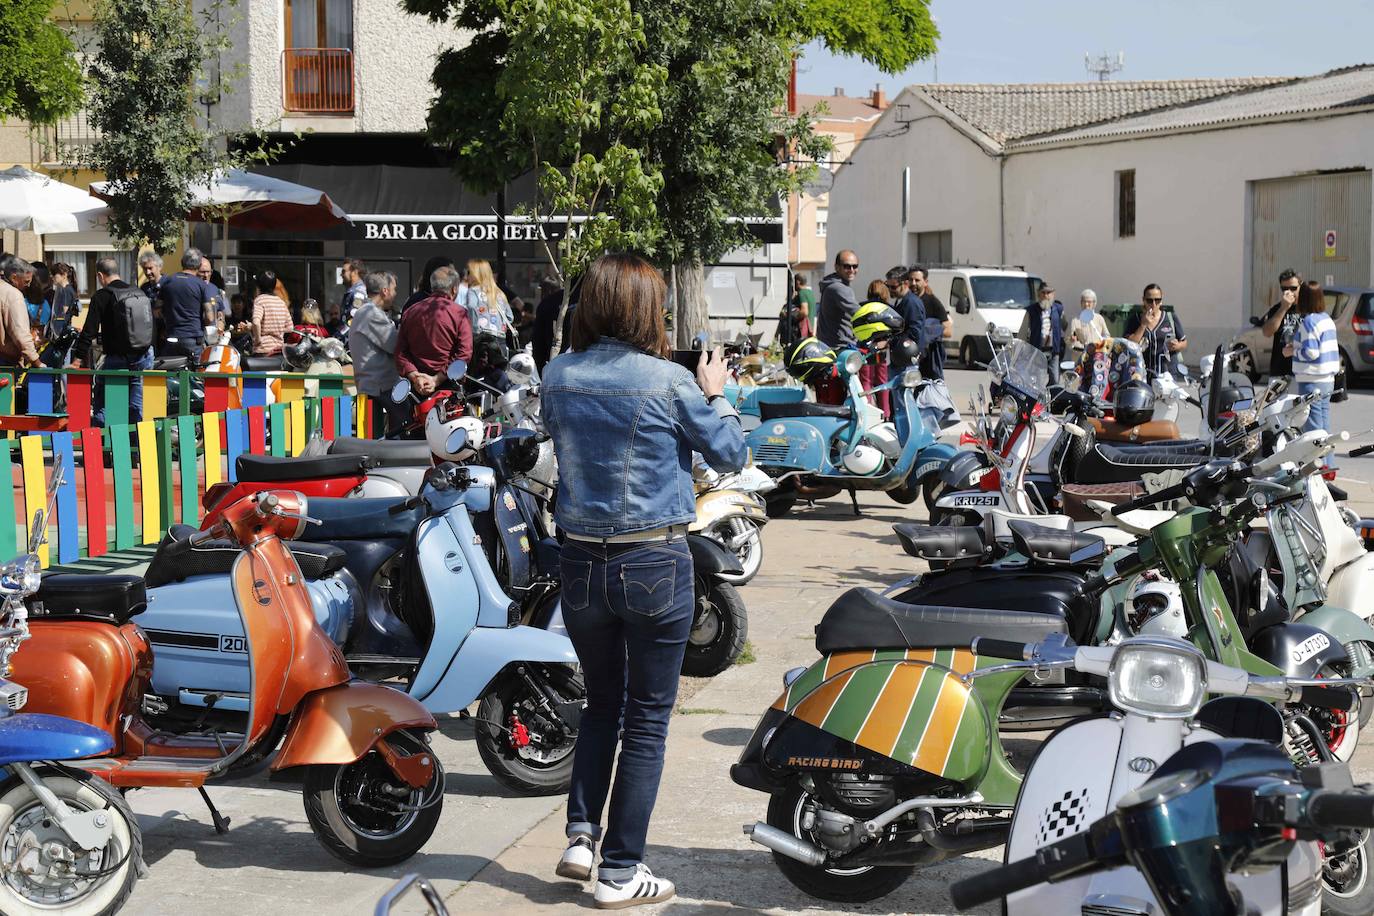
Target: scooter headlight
{"points": [[1007, 412], [851, 362], [1159, 678], [1069, 380], [911, 377], [21, 576]]}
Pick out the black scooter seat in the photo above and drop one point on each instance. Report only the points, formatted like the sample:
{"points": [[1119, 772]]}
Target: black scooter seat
{"points": [[387, 453], [176, 562], [1055, 546], [944, 546], [262, 363], [274, 468], [863, 619], [769, 411], [1118, 464], [343, 519], [105, 598]]}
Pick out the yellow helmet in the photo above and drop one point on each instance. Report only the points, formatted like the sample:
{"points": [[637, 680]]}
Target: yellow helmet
{"points": [[875, 321], [809, 360]]}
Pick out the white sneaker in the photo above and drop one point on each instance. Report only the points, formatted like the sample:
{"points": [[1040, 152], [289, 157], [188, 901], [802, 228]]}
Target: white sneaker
{"points": [[643, 887], [577, 859]]}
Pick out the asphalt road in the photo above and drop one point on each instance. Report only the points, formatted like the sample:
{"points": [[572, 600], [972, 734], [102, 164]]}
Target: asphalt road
{"points": [[495, 852]]}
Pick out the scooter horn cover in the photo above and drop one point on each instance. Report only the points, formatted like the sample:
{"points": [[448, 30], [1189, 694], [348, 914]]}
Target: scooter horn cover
{"points": [[914, 709], [810, 360]]}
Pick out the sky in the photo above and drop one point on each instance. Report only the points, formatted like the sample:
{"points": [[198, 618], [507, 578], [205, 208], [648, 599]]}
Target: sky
{"points": [[1028, 41]]}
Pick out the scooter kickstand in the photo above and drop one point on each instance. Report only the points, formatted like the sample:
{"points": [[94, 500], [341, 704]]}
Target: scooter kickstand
{"points": [[220, 821], [854, 498]]}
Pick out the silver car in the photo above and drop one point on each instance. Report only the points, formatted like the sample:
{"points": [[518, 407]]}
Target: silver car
{"points": [[1350, 307]]}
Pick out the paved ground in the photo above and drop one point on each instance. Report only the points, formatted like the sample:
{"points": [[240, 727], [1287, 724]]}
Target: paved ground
{"points": [[494, 852]]}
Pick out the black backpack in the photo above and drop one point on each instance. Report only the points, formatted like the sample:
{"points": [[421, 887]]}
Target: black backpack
{"points": [[131, 319]]}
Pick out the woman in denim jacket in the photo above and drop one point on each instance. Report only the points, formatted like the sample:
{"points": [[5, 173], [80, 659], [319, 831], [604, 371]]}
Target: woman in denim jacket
{"points": [[624, 423]]}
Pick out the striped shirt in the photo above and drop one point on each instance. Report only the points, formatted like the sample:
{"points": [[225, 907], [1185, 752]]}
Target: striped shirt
{"points": [[1315, 355]]}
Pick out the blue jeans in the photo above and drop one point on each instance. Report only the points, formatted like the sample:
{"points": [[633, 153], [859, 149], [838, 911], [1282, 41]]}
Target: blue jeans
{"points": [[115, 361], [1320, 415], [628, 609]]}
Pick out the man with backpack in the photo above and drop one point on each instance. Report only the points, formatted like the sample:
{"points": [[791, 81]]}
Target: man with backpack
{"points": [[122, 315]]}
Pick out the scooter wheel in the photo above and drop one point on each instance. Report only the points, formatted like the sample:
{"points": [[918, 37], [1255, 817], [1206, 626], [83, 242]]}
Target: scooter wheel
{"points": [[530, 767], [357, 814], [25, 828], [720, 624], [844, 885], [1347, 885]]}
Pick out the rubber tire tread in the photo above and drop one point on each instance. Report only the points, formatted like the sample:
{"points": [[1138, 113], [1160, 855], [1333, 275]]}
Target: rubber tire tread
{"points": [[117, 802], [319, 782], [861, 888], [720, 655], [513, 774]]}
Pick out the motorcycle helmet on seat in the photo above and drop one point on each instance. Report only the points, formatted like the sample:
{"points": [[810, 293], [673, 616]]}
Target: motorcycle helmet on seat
{"points": [[810, 360], [1134, 403], [875, 321]]}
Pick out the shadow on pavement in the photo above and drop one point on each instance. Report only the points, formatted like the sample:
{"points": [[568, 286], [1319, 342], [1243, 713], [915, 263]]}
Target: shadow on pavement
{"points": [[729, 737]]}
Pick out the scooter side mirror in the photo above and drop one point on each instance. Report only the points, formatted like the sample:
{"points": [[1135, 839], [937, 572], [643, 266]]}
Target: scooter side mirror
{"points": [[1256, 320], [457, 440], [457, 370], [910, 348], [400, 391]]}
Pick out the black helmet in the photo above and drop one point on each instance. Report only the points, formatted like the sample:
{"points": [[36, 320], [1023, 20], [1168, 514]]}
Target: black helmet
{"points": [[810, 360], [1134, 403]]}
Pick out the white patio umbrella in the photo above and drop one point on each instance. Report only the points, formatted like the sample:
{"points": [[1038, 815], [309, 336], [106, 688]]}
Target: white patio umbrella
{"points": [[33, 202], [251, 201]]}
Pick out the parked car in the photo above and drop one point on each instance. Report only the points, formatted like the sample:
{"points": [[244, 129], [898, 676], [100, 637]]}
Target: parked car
{"points": [[978, 296], [1350, 307]]}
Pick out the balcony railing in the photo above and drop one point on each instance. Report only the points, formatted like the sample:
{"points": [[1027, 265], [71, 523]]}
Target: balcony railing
{"points": [[317, 80]]}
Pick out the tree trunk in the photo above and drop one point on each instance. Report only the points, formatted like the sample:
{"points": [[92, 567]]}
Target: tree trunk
{"points": [[690, 313]]}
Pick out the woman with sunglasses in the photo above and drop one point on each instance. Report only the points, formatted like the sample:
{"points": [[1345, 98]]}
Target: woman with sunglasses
{"points": [[1159, 333]]}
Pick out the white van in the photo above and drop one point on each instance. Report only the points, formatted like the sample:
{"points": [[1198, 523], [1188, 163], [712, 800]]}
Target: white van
{"points": [[976, 296]]}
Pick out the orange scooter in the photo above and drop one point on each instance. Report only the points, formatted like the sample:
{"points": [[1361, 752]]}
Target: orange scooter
{"points": [[373, 788]]}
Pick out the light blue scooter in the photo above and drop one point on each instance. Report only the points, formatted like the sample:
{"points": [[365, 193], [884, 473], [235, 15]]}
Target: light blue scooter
{"points": [[818, 450], [466, 644]]}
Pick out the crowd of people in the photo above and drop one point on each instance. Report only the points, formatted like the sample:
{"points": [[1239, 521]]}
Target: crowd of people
{"points": [[1304, 348], [459, 313]]}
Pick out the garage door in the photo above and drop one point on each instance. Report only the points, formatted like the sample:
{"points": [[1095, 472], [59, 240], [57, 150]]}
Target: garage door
{"points": [[1295, 218]]}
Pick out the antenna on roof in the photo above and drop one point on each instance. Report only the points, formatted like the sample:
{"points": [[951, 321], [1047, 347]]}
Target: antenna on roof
{"points": [[1104, 65]]}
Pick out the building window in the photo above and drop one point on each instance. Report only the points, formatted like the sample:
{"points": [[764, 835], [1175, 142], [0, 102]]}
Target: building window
{"points": [[317, 64], [1125, 204], [822, 217], [935, 247]]}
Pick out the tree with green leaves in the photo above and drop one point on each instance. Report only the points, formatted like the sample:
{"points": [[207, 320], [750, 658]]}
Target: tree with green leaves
{"points": [[148, 65], [723, 143], [40, 78]]}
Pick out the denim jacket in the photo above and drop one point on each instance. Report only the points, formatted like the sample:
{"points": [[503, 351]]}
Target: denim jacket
{"points": [[624, 426]]}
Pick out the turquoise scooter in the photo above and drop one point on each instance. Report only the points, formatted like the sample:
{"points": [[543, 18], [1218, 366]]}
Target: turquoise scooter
{"points": [[817, 450]]}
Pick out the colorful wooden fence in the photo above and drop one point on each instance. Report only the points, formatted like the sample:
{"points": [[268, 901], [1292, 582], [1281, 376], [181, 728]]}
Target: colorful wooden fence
{"points": [[164, 393], [125, 484]]}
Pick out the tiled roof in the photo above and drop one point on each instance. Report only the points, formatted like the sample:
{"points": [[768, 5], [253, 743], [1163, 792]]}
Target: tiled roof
{"points": [[1346, 88], [840, 107], [1012, 111]]}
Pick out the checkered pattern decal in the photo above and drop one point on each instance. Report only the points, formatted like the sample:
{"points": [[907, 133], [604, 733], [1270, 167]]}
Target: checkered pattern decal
{"points": [[1060, 818]]}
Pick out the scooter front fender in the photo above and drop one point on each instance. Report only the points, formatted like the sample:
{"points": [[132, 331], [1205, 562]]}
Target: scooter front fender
{"points": [[485, 654], [339, 724], [711, 559], [30, 736], [1345, 627], [933, 458]]}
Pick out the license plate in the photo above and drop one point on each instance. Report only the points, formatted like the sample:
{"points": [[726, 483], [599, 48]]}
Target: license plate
{"points": [[975, 500]]}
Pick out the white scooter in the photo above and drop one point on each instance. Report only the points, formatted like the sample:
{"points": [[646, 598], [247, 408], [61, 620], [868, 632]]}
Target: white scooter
{"points": [[1159, 685]]}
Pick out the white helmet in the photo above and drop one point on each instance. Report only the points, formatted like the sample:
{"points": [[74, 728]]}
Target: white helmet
{"points": [[439, 432], [863, 459]]}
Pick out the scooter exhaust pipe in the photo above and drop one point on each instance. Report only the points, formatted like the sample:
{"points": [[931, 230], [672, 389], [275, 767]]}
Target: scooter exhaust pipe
{"points": [[785, 843]]}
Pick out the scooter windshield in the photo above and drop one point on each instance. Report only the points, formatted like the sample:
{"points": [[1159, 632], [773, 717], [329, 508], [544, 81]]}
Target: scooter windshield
{"points": [[1019, 365]]}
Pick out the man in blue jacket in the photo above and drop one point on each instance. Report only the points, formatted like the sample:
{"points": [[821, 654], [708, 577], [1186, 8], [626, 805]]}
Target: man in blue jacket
{"points": [[1045, 331]]}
